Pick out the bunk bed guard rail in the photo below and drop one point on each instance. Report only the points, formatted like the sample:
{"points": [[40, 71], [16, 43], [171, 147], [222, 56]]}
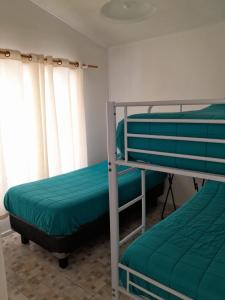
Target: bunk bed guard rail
{"points": [[113, 162]]}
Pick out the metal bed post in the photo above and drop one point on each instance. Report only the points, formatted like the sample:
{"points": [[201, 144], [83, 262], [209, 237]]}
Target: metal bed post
{"points": [[125, 134], [113, 199], [143, 193]]}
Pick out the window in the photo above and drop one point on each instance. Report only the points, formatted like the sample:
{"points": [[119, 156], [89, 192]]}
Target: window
{"points": [[42, 119]]}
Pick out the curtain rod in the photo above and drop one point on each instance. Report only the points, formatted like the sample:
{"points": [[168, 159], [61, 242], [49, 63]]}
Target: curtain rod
{"points": [[75, 64]]}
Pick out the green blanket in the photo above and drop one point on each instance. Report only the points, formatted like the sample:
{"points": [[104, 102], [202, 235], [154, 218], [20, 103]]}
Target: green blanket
{"points": [[61, 204], [186, 251], [181, 147]]}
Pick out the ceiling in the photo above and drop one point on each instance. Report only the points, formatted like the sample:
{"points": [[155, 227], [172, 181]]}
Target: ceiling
{"points": [[171, 16]]}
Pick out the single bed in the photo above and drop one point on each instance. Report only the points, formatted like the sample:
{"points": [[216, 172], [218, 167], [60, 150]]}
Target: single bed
{"points": [[186, 251], [56, 212], [165, 139]]}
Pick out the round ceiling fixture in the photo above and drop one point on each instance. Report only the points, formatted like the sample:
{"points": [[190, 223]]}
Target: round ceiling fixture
{"points": [[128, 10]]}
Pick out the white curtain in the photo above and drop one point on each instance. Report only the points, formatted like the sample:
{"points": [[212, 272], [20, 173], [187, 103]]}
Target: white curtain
{"points": [[42, 120]]}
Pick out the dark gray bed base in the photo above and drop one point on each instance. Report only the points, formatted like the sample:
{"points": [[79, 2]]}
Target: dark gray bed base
{"points": [[63, 245]]}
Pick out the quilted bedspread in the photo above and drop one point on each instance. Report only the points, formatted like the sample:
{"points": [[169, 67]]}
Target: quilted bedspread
{"points": [[186, 251], [62, 204]]}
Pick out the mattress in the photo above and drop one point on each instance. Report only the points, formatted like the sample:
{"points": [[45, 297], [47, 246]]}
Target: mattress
{"points": [[186, 251], [212, 131], [62, 204]]}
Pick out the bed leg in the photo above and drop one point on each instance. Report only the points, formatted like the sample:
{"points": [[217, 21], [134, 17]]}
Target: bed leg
{"points": [[63, 262], [24, 240]]}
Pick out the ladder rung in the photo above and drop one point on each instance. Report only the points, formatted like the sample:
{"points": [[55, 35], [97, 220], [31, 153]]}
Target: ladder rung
{"points": [[125, 171], [130, 203], [135, 231]]}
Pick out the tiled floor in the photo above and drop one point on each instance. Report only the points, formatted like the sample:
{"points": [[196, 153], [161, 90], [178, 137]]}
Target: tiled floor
{"points": [[33, 273]]}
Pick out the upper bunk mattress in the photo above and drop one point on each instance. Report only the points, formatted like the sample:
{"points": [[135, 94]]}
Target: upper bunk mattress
{"points": [[212, 131], [60, 205], [186, 251]]}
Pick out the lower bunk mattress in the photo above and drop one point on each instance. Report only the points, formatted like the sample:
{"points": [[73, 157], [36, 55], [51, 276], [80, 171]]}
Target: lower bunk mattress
{"points": [[186, 251], [60, 205], [175, 129]]}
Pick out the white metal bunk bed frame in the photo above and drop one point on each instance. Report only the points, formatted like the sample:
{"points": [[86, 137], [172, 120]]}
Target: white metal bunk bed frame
{"points": [[113, 162]]}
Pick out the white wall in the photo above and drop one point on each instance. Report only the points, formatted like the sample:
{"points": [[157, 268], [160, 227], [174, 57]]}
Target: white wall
{"points": [[186, 65], [26, 27]]}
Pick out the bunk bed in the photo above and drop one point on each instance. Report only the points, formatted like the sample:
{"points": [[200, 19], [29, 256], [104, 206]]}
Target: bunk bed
{"points": [[59, 212], [181, 257]]}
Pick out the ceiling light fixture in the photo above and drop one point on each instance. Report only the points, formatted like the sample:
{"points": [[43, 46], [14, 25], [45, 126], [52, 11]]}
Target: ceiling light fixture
{"points": [[128, 10]]}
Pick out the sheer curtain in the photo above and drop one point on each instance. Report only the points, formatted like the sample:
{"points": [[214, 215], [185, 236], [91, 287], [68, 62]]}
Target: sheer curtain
{"points": [[42, 120]]}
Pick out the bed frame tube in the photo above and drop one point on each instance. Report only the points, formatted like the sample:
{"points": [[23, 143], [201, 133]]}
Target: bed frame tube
{"points": [[170, 102], [113, 199], [176, 138], [151, 281], [189, 121], [113, 183]]}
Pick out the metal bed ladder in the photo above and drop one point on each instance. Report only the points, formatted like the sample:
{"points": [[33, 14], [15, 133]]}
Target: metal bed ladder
{"points": [[115, 209]]}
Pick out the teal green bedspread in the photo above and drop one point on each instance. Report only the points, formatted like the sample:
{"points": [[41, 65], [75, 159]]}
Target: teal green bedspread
{"points": [[186, 251], [61, 204], [180, 147]]}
